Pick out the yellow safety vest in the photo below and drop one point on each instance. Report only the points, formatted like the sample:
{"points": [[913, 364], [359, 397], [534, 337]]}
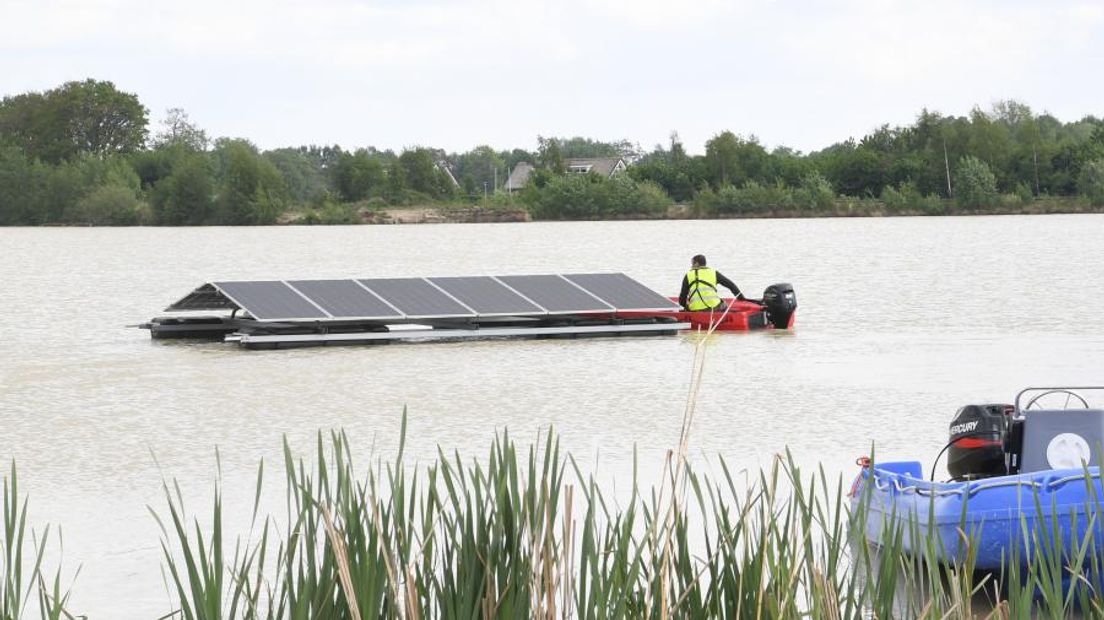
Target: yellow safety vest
{"points": [[703, 289]]}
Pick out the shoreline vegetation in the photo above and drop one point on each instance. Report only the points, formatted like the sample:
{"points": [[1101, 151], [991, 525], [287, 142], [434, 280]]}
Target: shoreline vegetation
{"points": [[841, 208], [524, 533], [84, 154]]}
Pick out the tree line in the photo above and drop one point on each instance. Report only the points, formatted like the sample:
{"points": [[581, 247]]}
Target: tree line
{"points": [[83, 153]]}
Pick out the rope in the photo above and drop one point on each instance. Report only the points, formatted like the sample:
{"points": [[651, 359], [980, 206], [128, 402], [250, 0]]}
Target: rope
{"points": [[971, 489]]}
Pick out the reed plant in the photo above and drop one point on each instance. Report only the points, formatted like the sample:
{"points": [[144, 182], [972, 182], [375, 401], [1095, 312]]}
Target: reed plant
{"points": [[21, 562], [525, 532]]}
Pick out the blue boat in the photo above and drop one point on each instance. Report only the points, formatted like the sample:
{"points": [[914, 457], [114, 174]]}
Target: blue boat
{"points": [[1025, 481], [1004, 518]]}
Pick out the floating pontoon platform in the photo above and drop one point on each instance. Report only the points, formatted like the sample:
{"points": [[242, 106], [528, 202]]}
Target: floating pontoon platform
{"points": [[270, 314]]}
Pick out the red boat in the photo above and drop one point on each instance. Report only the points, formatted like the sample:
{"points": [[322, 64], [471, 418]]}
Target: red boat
{"points": [[777, 310]]}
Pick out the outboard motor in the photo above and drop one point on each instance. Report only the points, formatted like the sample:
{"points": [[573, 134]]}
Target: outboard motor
{"points": [[780, 302], [978, 441]]}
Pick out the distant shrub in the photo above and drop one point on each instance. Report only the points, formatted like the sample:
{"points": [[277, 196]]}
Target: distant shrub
{"points": [[332, 213], [894, 199], [109, 205], [906, 198], [376, 203], [752, 198], [590, 196], [1091, 182], [815, 193], [930, 205], [1010, 201], [501, 200], [976, 186], [1023, 190], [409, 197]]}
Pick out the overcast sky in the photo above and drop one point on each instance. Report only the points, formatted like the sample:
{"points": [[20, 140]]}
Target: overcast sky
{"points": [[454, 75]]}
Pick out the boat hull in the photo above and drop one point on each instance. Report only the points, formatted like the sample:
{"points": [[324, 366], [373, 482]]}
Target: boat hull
{"points": [[1007, 519], [741, 316]]}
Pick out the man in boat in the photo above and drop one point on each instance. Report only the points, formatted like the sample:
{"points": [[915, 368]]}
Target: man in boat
{"points": [[699, 288]]}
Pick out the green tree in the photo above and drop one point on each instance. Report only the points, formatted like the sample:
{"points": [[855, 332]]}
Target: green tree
{"points": [[423, 173], [733, 160], [359, 175], [186, 197], [721, 155], [975, 184], [31, 122], [63, 186], [673, 170], [251, 189], [102, 120], [591, 196], [21, 191], [396, 183], [549, 155], [857, 170], [1091, 182], [178, 130], [110, 170], [990, 141], [483, 166], [88, 117], [815, 193], [789, 166], [153, 165], [109, 205], [306, 181]]}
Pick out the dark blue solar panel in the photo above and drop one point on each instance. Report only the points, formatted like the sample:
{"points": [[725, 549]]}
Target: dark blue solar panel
{"points": [[554, 293], [416, 297], [468, 296], [345, 299], [486, 295], [621, 291], [270, 300]]}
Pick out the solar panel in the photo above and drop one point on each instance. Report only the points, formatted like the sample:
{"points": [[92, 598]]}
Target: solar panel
{"points": [[345, 299], [486, 295], [270, 301], [392, 299], [416, 297], [555, 294], [622, 292]]}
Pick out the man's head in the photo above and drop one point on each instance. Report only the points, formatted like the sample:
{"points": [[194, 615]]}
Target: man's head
{"points": [[698, 261]]}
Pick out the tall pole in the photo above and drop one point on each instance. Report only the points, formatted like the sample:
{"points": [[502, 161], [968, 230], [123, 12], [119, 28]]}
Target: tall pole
{"points": [[1035, 156], [947, 166]]}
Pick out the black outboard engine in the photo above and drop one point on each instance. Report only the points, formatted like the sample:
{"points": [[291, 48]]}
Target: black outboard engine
{"points": [[780, 302], [978, 441]]}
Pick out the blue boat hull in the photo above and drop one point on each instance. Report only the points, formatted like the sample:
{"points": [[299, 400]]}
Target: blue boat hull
{"points": [[1005, 519]]}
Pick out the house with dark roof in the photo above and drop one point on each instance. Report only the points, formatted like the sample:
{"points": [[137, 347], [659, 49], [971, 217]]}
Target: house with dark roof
{"points": [[519, 176], [607, 167]]}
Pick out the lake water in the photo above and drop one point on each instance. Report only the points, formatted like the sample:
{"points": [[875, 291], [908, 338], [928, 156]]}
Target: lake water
{"points": [[900, 321]]}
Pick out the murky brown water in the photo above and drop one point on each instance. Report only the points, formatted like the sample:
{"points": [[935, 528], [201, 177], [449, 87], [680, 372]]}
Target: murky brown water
{"points": [[900, 322]]}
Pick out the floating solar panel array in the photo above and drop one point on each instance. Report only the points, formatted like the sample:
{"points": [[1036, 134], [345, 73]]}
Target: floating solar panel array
{"points": [[384, 299]]}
